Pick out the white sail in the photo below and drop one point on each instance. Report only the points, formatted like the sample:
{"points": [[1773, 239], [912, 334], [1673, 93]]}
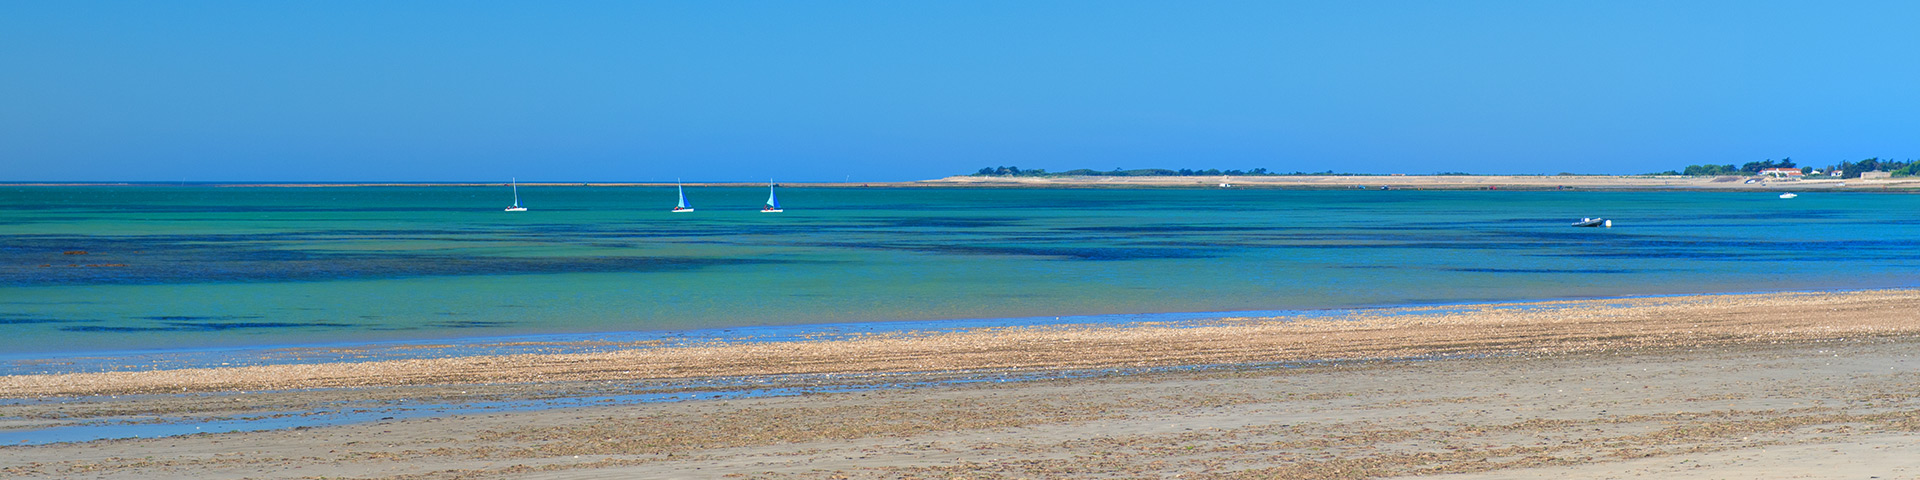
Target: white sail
{"points": [[516, 197], [773, 200], [683, 206]]}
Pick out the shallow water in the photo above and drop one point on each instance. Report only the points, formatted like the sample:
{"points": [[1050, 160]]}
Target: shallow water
{"points": [[344, 412], [169, 268]]}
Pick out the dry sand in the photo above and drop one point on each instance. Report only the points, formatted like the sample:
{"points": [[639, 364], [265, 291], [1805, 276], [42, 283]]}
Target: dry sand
{"points": [[1803, 385]]}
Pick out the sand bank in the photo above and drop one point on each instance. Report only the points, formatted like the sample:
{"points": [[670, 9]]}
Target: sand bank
{"points": [[1447, 182], [1833, 409], [1471, 330], [1821, 385]]}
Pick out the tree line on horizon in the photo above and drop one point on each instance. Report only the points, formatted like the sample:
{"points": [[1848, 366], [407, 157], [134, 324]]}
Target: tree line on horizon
{"points": [[1845, 169]]}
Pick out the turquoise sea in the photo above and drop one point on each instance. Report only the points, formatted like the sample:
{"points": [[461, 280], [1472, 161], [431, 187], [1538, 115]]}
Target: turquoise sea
{"points": [[95, 270]]}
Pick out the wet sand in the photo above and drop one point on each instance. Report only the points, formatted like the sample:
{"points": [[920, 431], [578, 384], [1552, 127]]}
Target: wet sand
{"points": [[1822, 384]]}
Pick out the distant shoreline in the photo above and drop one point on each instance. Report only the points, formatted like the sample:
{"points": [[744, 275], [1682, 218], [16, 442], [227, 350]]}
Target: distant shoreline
{"points": [[1443, 182], [1281, 182]]}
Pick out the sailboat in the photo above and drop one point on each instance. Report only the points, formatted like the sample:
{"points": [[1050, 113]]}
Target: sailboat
{"points": [[773, 202], [683, 206], [516, 198]]}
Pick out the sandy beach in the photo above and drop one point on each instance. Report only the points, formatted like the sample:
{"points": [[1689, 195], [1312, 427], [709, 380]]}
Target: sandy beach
{"points": [[1805, 385], [959, 240]]}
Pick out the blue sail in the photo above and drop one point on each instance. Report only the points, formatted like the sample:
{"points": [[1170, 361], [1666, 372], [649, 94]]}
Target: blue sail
{"points": [[773, 201], [683, 205]]}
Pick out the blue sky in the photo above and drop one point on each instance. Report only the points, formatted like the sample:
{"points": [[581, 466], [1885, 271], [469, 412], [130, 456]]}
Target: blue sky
{"points": [[876, 91]]}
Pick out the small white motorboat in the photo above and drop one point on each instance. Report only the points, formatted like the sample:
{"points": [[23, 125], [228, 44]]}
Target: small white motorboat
{"points": [[1593, 222], [1788, 195]]}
